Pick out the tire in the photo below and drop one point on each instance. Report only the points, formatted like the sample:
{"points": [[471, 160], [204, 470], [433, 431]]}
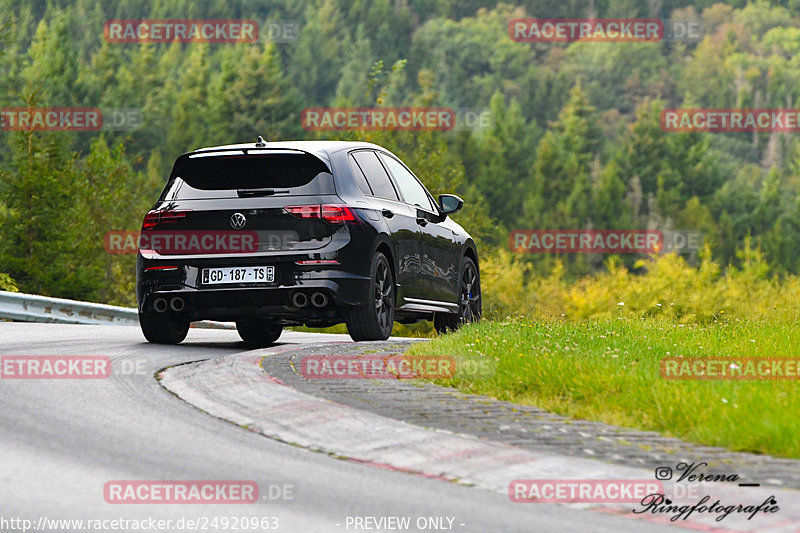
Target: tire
{"points": [[469, 300], [258, 333], [163, 328], [373, 321]]}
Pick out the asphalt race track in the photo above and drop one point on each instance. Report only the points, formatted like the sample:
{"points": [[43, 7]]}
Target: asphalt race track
{"points": [[61, 441]]}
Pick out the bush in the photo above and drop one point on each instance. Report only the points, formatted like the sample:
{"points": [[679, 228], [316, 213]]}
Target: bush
{"points": [[663, 286], [7, 283]]}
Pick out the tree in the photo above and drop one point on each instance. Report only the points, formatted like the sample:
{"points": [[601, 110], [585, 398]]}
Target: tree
{"points": [[53, 68], [252, 97], [353, 88], [317, 57], [42, 217], [562, 167], [501, 155], [669, 167], [190, 122]]}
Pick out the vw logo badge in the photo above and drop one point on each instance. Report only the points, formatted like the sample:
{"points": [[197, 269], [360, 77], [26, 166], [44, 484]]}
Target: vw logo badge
{"points": [[238, 221]]}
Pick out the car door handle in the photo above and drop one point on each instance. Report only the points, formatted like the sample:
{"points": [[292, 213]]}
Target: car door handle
{"points": [[421, 221], [388, 213]]}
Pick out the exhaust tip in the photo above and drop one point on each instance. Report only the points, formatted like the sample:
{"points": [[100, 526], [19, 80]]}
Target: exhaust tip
{"points": [[160, 305], [177, 304], [299, 299], [319, 299]]}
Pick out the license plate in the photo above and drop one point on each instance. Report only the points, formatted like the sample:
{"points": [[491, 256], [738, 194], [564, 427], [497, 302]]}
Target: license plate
{"points": [[258, 274]]}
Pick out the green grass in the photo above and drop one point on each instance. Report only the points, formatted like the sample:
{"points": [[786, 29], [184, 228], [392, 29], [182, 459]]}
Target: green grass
{"points": [[609, 371]]}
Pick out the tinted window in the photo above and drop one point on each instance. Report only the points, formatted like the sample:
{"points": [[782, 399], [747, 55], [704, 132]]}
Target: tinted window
{"points": [[378, 180], [413, 192], [360, 178], [223, 176]]}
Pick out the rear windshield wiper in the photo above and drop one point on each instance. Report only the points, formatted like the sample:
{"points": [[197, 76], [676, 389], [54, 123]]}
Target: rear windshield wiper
{"points": [[243, 193]]}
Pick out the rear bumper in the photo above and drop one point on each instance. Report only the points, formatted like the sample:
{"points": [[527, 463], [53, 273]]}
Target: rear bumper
{"points": [[276, 303], [331, 286]]}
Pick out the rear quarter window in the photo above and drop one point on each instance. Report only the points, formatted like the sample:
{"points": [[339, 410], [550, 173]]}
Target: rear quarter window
{"points": [[413, 191], [378, 179], [360, 178]]}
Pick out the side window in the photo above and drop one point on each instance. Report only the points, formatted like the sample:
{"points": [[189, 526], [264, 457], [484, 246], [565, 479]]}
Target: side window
{"points": [[378, 179], [361, 179], [413, 192]]}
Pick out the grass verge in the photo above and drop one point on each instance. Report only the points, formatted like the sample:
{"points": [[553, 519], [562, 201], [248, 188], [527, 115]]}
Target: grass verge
{"points": [[609, 371]]}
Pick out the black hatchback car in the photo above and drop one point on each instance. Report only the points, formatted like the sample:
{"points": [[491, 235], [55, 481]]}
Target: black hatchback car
{"points": [[309, 232]]}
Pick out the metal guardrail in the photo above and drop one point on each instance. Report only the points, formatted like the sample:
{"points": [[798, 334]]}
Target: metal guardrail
{"points": [[35, 308]]}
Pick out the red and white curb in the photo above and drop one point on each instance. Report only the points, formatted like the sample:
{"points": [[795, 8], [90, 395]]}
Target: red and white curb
{"points": [[235, 388]]}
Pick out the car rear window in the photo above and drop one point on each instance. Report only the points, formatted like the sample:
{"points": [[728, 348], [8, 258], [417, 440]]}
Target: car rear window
{"points": [[223, 176]]}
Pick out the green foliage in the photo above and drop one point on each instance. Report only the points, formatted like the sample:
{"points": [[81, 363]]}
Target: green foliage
{"points": [[665, 287], [7, 283], [57, 209], [610, 371], [41, 218], [574, 138], [562, 167], [318, 55]]}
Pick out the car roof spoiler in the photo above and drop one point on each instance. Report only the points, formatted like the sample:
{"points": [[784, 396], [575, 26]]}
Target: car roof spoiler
{"points": [[250, 150]]}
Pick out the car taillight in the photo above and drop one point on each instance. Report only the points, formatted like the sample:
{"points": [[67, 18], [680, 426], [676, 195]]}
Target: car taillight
{"points": [[150, 220], [339, 214], [154, 218], [330, 213], [303, 211]]}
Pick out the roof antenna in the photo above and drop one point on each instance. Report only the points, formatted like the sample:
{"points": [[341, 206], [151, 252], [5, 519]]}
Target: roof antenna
{"points": [[261, 142]]}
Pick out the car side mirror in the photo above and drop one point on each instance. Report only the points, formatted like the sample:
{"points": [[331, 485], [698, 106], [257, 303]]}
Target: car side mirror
{"points": [[450, 203]]}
